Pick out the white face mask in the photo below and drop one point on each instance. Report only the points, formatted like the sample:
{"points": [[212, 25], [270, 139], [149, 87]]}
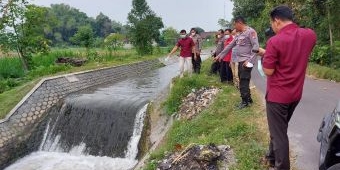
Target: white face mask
{"points": [[193, 34], [218, 36], [227, 36], [182, 35]]}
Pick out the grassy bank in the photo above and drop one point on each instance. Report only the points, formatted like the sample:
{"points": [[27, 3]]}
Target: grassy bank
{"points": [[323, 72], [244, 130], [15, 84]]}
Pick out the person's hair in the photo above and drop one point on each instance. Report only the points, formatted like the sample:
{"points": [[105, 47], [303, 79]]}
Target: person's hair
{"points": [[221, 30], [183, 31], [193, 29], [283, 13], [240, 19], [228, 29]]}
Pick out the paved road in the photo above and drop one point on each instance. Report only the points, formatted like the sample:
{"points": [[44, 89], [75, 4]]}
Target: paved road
{"points": [[319, 97]]}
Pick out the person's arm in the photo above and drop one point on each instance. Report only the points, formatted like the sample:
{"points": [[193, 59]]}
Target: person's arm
{"points": [[193, 46], [200, 43], [226, 49], [270, 59], [254, 40], [173, 50]]}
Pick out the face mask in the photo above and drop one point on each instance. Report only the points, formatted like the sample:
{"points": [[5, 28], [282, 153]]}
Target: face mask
{"points": [[227, 36], [193, 34], [219, 36], [182, 35]]}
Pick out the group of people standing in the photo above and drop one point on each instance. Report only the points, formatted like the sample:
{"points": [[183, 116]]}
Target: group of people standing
{"points": [[284, 62], [190, 55]]}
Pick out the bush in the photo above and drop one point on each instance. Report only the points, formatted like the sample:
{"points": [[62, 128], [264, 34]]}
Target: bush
{"points": [[321, 55], [11, 68], [324, 55]]}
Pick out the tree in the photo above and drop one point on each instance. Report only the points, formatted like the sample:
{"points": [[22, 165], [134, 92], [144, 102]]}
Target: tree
{"points": [[22, 30], [84, 37], [224, 23], [114, 41], [144, 27], [68, 20], [103, 25], [170, 36]]}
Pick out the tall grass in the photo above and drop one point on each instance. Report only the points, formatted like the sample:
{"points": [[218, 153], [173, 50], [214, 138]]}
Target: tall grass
{"points": [[323, 72], [11, 68]]}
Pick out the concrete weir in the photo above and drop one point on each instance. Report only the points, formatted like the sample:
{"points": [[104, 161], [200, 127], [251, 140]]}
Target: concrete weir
{"points": [[22, 128]]}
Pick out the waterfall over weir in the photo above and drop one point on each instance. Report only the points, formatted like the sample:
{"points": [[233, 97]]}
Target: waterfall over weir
{"points": [[58, 151], [99, 128]]}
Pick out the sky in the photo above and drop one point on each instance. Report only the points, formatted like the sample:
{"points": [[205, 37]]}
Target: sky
{"points": [[179, 14]]}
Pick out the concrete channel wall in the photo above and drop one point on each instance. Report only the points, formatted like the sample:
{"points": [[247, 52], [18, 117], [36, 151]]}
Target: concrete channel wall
{"points": [[17, 128]]}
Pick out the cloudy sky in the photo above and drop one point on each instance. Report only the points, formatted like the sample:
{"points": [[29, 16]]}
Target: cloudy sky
{"points": [[180, 14]]}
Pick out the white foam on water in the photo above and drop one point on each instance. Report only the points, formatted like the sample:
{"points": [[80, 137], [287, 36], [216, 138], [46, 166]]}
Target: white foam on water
{"points": [[51, 156], [132, 150], [65, 161]]}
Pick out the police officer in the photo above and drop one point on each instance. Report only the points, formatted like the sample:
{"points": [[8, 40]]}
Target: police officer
{"points": [[247, 46], [215, 66]]}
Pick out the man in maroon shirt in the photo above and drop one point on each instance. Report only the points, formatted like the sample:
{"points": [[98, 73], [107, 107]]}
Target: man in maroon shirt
{"points": [[284, 62], [187, 45]]}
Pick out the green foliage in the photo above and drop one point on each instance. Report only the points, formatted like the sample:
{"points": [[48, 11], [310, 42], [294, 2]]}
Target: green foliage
{"points": [[11, 68], [113, 42], [84, 37], [321, 55], [144, 27], [224, 23], [324, 72], [103, 25], [170, 36], [23, 30]]}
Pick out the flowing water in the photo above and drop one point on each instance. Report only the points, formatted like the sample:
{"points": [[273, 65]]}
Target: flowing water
{"points": [[98, 128]]}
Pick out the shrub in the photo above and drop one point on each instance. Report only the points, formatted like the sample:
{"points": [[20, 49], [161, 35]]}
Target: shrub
{"points": [[11, 68]]}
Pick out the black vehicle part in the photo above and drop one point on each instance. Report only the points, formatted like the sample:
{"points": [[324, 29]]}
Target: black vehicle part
{"points": [[331, 158], [335, 167]]}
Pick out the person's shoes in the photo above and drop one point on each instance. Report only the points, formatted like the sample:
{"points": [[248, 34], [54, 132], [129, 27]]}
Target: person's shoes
{"points": [[243, 105], [250, 100], [269, 163]]}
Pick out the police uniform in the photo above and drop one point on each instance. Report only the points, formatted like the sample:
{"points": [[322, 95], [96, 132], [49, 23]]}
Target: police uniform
{"points": [[245, 42]]}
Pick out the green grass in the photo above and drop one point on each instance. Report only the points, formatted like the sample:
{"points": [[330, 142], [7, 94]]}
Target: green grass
{"points": [[11, 68], [221, 124], [10, 98], [323, 72]]}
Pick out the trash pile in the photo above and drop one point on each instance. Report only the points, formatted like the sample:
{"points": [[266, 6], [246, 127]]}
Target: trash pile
{"points": [[199, 157], [196, 101]]}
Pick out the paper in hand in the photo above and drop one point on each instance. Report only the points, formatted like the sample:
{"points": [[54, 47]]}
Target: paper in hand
{"points": [[259, 68]]}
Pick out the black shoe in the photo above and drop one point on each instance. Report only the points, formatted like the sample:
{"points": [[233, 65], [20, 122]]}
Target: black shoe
{"points": [[250, 100], [243, 105]]}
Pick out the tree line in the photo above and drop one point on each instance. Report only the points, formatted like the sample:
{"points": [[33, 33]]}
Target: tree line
{"points": [[29, 29]]}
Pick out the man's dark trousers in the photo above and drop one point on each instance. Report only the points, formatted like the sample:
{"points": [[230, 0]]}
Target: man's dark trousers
{"points": [[196, 64], [244, 74], [226, 74], [278, 116]]}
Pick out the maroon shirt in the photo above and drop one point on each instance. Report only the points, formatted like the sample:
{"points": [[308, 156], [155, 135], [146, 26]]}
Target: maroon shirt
{"points": [[186, 45], [287, 53]]}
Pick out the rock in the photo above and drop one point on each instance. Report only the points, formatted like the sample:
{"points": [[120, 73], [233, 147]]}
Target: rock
{"points": [[73, 61]]}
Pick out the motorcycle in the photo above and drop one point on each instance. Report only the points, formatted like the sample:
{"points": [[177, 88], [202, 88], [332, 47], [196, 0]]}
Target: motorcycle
{"points": [[329, 138]]}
